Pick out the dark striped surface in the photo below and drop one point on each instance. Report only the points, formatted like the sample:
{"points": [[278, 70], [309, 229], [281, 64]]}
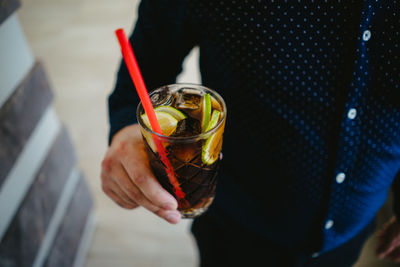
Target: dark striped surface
{"points": [[7, 7], [19, 116], [26, 232], [66, 245]]}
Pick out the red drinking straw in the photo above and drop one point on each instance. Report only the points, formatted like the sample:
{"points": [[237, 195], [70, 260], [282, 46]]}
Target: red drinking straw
{"points": [[137, 78]]}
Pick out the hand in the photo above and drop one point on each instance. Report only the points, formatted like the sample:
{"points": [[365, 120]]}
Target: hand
{"points": [[128, 180], [389, 241]]}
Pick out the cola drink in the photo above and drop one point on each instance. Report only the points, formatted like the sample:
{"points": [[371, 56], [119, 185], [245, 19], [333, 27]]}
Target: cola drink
{"points": [[195, 117]]}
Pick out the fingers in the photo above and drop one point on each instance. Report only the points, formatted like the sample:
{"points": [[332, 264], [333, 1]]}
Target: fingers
{"points": [[128, 180], [141, 176], [171, 216], [116, 189], [127, 195], [121, 202], [119, 196], [135, 187]]}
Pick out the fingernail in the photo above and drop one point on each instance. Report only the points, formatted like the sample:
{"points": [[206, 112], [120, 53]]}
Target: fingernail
{"points": [[173, 217]]}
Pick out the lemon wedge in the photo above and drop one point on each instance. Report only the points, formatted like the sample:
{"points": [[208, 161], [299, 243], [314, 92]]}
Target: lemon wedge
{"points": [[177, 114], [167, 122]]}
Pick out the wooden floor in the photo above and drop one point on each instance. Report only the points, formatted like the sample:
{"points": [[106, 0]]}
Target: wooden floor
{"points": [[75, 41]]}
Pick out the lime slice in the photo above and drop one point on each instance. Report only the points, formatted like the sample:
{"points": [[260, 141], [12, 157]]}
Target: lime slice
{"points": [[172, 111], [167, 122], [212, 147], [206, 112], [214, 120]]}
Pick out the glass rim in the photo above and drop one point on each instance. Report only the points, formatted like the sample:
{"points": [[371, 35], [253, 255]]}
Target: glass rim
{"points": [[186, 138]]}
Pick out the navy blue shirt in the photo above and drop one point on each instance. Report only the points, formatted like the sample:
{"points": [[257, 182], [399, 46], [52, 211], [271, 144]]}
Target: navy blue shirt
{"points": [[312, 140]]}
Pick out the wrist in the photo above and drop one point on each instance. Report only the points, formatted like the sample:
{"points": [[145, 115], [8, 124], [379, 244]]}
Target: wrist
{"points": [[131, 132]]}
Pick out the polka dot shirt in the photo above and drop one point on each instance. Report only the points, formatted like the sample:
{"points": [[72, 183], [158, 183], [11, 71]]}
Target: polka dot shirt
{"points": [[312, 141]]}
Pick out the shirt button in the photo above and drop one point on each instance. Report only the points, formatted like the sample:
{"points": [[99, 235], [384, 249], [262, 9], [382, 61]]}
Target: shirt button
{"points": [[366, 35], [315, 255], [340, 177], [328, 224], [352, 113]]}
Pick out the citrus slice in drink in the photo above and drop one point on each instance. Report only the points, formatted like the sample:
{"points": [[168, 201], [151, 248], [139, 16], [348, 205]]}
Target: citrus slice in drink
{"points": [[213, 120], [177, 114], [206, 112], [215, 104], [212, 146], [167, 122]]}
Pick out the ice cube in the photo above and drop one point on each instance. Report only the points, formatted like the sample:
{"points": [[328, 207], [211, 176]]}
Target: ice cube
{"points": [[187, 127], [161, 96], [188, 99], [180, 128]]}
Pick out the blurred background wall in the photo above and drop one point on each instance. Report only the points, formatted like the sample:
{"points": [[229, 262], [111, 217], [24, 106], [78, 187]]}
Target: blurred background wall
{"points": [[75, 41], [46, 206], [75, 44]]}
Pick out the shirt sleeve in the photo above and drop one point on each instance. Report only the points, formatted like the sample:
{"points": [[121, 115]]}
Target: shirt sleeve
{"points": [[161, 39]]}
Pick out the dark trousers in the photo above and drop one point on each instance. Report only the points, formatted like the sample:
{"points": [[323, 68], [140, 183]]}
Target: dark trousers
{"points": [[221, 247]]}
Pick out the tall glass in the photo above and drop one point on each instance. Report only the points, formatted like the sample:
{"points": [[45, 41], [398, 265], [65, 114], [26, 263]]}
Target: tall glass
{"points": [[193, 147]]}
